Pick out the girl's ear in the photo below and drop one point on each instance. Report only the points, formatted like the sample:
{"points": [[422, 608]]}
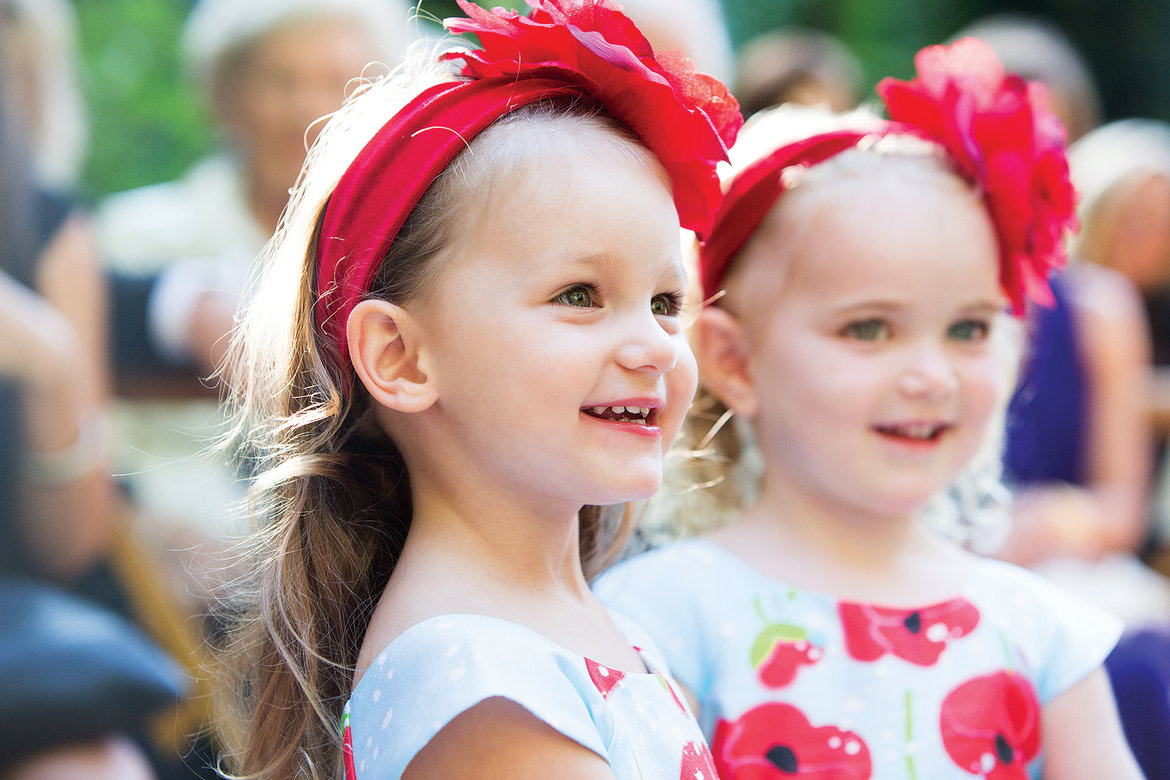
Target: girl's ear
{"points": [[384, 351], [724, 360]]}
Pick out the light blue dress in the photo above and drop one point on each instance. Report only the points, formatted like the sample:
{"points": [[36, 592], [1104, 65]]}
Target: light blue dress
{"points": [[439, 668], [797, 683]]}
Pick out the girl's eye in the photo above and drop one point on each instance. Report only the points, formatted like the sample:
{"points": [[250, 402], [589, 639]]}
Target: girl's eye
{"points": [[666, 305], [580, 295], [867, 330], [969, 330]]}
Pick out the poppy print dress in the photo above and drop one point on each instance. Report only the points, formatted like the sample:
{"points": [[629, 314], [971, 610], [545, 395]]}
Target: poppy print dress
{"points": [[798, 684], [443, 666]]}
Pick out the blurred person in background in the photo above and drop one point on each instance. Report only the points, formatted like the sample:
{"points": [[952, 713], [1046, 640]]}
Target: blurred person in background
{"points": [[43, 43], [797, 65], [74, 678], [269, 69], [1078, 453], [1122, 170]]}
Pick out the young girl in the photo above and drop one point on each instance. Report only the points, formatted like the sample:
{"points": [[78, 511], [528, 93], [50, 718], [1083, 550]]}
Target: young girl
{"points": [[481, 276], [825, 633]]}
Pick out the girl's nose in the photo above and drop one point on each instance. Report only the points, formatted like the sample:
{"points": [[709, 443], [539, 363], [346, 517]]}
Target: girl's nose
{"points": [[930, 374], [648, 347]]}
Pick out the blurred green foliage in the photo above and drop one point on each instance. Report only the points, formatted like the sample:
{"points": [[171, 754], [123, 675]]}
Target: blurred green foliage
{"points": [[147, 120], [149, 123]]}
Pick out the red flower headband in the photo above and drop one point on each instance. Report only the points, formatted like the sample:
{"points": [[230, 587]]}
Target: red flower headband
{"points": [[998, 133], [563, 47]]}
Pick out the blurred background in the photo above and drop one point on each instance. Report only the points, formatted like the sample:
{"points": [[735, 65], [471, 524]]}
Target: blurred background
{"points": [[148, 123]]}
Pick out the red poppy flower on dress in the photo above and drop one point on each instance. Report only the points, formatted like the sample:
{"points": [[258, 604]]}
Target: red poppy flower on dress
{"points": [[916, 635], [785, 659], [604, 678], [697, 763], [1000, 134], [688, 119], [991, 726], [776, 741]]}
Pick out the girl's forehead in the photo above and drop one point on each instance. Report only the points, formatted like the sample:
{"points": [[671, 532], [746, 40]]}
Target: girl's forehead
{"points": [[858, 232]]}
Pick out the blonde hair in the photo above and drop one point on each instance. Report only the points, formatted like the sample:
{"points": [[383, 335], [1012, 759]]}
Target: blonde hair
{"points": [[331, 499], [719, 468]]}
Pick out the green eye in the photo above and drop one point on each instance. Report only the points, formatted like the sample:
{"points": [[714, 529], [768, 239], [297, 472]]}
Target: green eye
{"points": [[576, 296], [868, 330], [666, 305], [968, 330]]}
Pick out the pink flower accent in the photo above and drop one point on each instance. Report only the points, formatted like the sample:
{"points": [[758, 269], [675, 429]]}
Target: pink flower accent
{"points": [[1000, 134], [688, 119]]}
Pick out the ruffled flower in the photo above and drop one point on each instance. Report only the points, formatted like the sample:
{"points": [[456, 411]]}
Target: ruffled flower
{"points": [[997, 129], [686, 118]]}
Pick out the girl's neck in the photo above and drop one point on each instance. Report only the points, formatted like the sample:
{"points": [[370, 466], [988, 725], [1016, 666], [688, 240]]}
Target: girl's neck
{"points": [[850, 554]]}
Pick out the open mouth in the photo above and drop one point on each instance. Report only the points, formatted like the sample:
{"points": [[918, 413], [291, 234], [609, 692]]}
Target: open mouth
{"points": [[640, 415], [914, 432]]}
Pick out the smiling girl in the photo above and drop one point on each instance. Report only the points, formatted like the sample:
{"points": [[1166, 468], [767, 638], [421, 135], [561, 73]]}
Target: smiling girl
{"points": [[857, 274], [482, 278]]}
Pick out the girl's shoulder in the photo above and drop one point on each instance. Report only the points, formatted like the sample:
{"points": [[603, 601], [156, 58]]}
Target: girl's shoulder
{"points": [[444, 666]]}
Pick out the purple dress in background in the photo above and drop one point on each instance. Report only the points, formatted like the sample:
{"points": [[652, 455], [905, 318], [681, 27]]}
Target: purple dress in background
{"points": [[1046, 443]]}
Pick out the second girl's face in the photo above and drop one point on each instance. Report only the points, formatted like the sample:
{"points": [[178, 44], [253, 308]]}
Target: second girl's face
{"points": [[874, 375], [555, 340]]}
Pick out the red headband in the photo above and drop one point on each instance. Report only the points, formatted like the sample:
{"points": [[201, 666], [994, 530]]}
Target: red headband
{"points": [[564, 47], [997, 132]]}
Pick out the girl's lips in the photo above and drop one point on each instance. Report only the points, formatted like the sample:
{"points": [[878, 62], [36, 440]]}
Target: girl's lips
{"points": [[917, 434]]}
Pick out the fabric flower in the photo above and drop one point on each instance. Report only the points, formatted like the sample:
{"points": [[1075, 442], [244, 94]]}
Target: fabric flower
{"points": [[604, 678], [697, 763], [1000, 134], [991, 726], [776, 740], [915, 635], [686, 118]]}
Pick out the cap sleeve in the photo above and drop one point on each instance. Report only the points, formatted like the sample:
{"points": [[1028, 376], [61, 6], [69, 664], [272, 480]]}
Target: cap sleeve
{"points": [[442, 667], [1062, 637]]}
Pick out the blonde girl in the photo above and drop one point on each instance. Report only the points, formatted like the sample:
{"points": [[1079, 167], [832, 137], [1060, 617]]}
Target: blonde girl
{"points": [[464, 357], [858, 272]]}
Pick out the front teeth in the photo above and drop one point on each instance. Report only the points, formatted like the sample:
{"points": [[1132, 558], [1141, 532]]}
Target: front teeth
{"points": [[642, 411], [921, 431]]}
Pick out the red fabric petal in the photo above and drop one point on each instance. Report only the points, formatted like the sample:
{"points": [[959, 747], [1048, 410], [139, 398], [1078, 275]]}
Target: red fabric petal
{"points": [[686, 118], [1000, 133]]}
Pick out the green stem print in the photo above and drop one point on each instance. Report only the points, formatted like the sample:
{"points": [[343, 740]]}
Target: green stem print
{"points": [[911, 770]]}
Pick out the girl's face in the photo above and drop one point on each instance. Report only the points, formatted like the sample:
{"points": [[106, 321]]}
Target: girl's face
{"points": [[555, 340], [873, 375]]}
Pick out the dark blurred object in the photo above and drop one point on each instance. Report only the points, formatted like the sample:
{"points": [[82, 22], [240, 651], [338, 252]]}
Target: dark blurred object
{"points": [[796, 65], [1139, 669], [71, 672]]}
